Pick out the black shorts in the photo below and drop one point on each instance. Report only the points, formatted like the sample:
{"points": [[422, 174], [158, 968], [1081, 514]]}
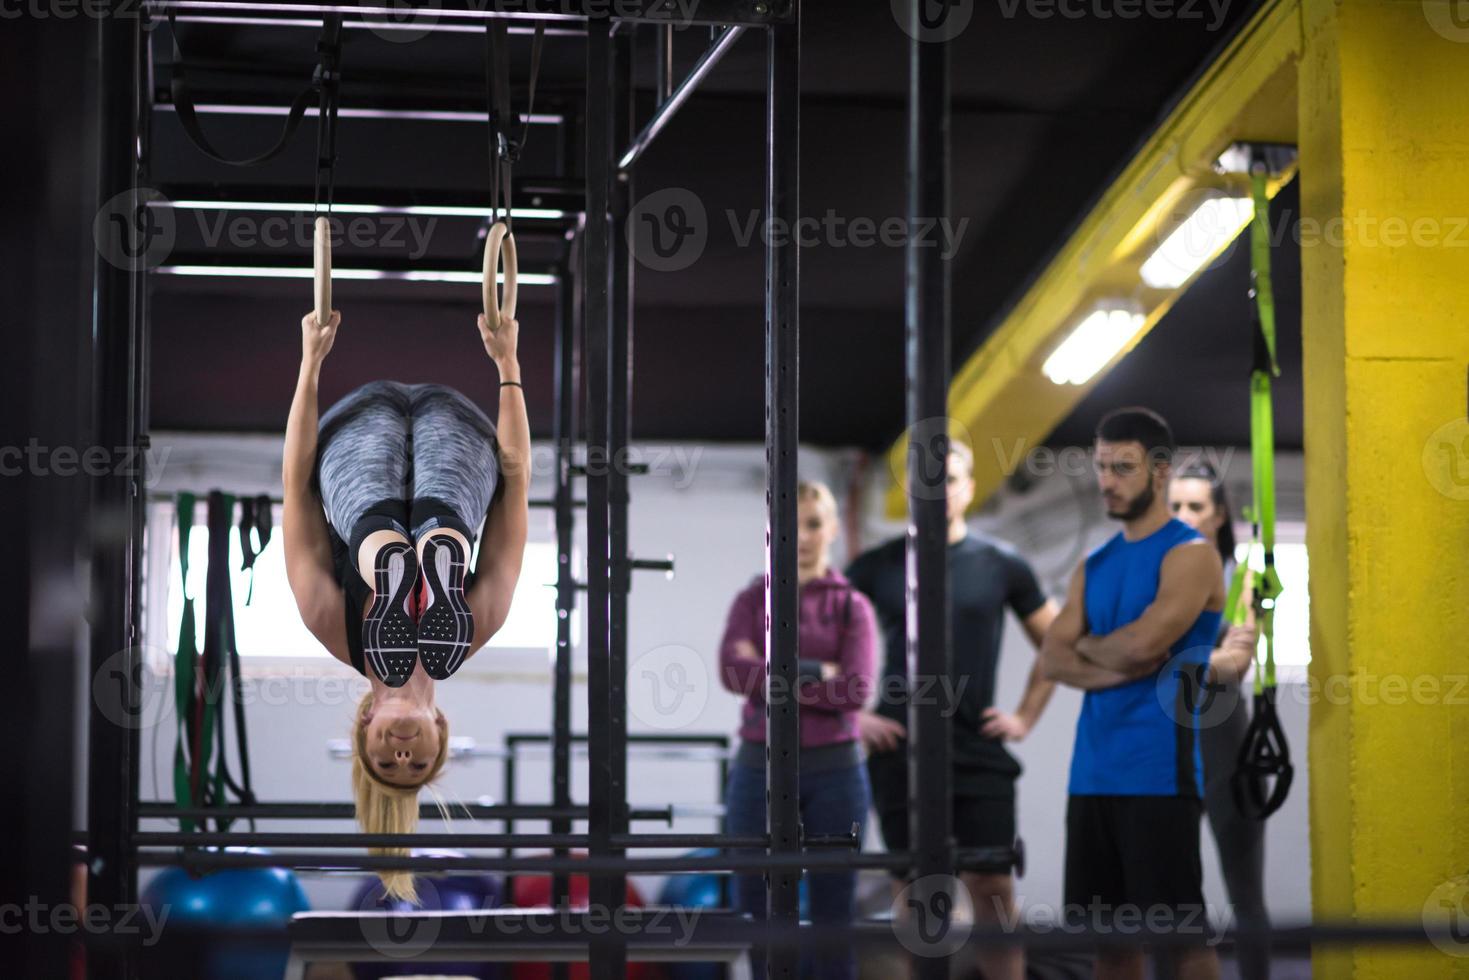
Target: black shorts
{"points": [[1132, 864], [979, 821]]}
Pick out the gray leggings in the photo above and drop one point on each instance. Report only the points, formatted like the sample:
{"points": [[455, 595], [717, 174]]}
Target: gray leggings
{"points": [[406, 457]]}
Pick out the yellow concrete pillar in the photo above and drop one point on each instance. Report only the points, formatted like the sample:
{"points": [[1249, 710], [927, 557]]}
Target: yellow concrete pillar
{"points": [[1384, 138]]}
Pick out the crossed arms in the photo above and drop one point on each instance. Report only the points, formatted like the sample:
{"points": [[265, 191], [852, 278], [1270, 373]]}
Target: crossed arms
{"points": [[1189, 581]]}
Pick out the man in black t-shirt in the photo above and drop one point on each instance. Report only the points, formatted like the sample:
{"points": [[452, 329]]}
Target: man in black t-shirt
{"points": [[985, 577]]}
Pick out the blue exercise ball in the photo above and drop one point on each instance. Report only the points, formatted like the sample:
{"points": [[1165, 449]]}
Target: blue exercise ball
{"points": [[458, 892], [260, 901]]}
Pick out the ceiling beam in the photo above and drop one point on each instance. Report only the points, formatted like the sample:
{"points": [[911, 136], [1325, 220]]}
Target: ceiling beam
{"points": [[1000, 394]]}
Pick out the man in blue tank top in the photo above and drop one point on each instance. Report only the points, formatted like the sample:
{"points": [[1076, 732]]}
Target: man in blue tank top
{"points": [[1135, 634]]}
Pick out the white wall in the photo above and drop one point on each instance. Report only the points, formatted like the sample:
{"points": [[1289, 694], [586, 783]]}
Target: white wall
{"points": [[705, 505]]}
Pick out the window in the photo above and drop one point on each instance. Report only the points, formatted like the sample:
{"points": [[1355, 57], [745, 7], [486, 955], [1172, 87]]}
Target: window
{"points": [[1292, 610], [269, 625]]}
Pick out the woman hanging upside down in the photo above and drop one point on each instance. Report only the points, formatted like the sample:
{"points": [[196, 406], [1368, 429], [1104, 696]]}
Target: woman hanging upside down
{"points": [[382, 499]]}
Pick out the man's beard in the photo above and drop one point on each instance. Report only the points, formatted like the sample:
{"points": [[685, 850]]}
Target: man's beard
{"points": [[1137, 507]]}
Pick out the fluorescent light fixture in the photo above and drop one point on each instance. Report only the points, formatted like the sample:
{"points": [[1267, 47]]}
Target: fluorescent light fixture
{"points": [[1234, 160], [1092, 345], [356, 9], [302, 272], [374, 26], [442, 211], [1203, 235], [415, 115]]}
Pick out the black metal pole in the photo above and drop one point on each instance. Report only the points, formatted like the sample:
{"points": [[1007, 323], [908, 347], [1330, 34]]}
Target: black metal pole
{"points": [[45, 396], [563, 436], [927, 591], [160, 810], [112, 741], [782, 297], [595, 284], [664, 69], [619, 327]]}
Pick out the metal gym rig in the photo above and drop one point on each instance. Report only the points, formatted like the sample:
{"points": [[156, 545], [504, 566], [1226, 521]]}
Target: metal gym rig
{"points": [[593, 298]]}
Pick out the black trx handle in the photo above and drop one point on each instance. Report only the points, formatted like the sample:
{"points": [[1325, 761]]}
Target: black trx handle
{"points": [[1263, 771], [184, 108]]}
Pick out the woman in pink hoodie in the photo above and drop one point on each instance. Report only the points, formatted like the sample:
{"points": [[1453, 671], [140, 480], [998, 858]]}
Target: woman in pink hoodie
{"points": [[836, 674]]}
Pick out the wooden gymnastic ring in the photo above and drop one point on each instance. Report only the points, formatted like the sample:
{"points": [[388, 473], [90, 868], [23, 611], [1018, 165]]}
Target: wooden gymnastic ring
{"points": [[499, 248], [322, 266]]}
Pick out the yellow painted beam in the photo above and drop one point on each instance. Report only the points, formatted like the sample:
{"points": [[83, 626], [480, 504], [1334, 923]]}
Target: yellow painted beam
{"points": [[1385, 283], [1000, 395]]}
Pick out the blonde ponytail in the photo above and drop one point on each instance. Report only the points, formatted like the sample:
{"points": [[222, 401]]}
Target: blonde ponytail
{"points": [[383, 808]]}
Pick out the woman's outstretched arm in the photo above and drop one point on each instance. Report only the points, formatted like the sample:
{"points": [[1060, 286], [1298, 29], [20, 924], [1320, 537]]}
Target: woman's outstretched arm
{"points": [[503, 545], [303, 524]]}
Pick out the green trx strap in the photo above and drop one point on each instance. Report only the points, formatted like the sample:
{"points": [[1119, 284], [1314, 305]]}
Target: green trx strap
{"points": [[1263, 771]]}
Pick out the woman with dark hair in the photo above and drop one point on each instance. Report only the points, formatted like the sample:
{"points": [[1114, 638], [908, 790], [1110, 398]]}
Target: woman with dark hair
{"points": [[1198, 498]]}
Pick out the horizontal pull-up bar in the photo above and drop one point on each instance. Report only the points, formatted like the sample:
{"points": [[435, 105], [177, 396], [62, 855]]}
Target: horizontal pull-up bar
{"points": [[148, 838], [753, 13], [750, 862], [356, 112], [346, 811]]}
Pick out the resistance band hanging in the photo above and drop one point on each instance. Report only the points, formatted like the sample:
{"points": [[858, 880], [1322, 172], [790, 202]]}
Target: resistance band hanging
{"points": [[195, 714], [201, 766], [1263, 771], [255, 514], [505, 150]]}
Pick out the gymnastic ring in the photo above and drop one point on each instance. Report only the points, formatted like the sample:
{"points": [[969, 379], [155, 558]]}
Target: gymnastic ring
{"points": [[499, 248], [322, 270]]}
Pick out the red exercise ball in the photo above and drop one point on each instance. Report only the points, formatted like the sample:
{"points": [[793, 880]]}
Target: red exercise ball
{"points": [[529, 891]]}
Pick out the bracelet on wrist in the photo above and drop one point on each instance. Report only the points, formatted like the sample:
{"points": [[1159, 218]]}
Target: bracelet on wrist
{"points": [[516, 384]]}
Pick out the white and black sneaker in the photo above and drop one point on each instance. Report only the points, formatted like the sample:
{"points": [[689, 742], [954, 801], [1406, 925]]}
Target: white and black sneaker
{"points": [[445, 624], [389, 634]]}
